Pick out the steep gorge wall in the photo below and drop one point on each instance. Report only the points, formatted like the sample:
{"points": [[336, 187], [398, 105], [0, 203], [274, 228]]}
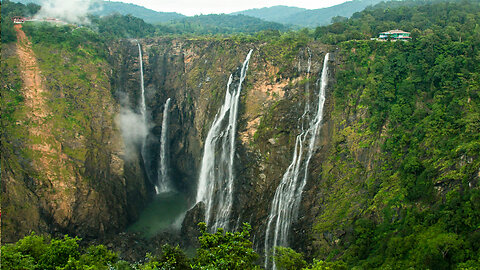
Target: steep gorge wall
{"points": [[63, 166], [112, 186], [194, 73]]}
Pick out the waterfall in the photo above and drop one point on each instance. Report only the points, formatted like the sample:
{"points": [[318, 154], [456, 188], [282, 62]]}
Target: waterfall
{"points": [[215, 184], [286, 202], [163, 184], [143, 106]]}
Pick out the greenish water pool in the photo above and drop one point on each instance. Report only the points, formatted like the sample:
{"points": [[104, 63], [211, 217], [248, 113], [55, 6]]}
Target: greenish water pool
{"points": [[164, 213]]}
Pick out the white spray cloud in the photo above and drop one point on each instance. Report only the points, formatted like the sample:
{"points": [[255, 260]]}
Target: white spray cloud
{"points": [[133, 128], [72, 11]]}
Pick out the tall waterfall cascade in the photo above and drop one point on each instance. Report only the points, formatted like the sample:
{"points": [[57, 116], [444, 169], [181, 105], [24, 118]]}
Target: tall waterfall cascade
{"points": [[163, 181], [286, 202], [143, 106], [215, 184]]}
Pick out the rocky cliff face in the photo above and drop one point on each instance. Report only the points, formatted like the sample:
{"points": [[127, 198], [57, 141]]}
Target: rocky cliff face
{"points": [[63, 166], [194, 73], [107, 186]]}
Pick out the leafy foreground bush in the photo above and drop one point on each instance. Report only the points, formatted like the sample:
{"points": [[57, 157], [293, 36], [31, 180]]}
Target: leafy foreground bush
{"points": [[37, 252], [220, 250], [217, 251]]}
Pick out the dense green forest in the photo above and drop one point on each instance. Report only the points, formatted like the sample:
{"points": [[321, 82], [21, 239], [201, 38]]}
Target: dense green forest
{"points": [[419, 99], [453, 21], [222, 24]]}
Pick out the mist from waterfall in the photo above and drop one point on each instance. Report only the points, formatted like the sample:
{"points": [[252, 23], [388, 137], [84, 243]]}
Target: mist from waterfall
{"points": [[163, 182], [286, 202], [215, 184]]}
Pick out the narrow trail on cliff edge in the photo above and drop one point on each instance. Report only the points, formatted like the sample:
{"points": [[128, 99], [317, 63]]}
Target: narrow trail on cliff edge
{"points": [[32, 88], [48, 157]]}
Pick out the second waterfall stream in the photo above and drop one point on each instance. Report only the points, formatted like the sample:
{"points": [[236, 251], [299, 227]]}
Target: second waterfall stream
{"points": [[215, 184], [286, 202], [163, 184]]}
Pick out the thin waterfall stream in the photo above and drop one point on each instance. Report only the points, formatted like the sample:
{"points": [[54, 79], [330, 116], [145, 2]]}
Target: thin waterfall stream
{"points": [[167, 209], [143, 105], [163, 184], [286, 202], [215, 184]]}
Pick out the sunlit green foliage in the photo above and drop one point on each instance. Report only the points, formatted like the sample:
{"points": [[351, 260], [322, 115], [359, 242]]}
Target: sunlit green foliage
{"points": [[451, 20], [324, 265], [222, 24], [171, 258], [126, 26], [225, 250], [220, 250], [37, 252], [288, 259]]}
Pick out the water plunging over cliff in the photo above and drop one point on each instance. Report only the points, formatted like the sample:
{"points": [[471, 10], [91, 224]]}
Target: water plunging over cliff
{"points": [[286, 202], [215, 184], [163, 184], [143, 106]]}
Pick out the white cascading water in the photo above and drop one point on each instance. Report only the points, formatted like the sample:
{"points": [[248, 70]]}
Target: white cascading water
{"points": [[163, 184], [215, 184], [143, 106], [286, 202]]}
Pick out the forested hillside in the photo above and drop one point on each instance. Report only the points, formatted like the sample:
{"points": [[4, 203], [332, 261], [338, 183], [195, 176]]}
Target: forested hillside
{"points": [[394, 182], [106, 8], [222, 24], [419, 102]]}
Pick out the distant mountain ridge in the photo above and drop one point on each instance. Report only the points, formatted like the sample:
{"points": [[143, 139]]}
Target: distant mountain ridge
{"points": [[308, 17], [285, 15], [274, 14]]}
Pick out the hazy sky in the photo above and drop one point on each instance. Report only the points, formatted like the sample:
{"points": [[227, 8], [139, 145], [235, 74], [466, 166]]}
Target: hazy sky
{"points": [[192, 7]]}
